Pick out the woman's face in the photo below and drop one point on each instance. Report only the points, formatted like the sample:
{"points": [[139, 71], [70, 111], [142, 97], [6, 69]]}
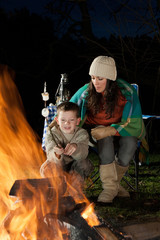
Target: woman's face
{"points": [[99, 83]]}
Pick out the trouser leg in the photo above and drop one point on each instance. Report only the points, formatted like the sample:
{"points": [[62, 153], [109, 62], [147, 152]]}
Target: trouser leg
{"points": [[126, 150], [84, 167], [106, 150], [50, 169]]}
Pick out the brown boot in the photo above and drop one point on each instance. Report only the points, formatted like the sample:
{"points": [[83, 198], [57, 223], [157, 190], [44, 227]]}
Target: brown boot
{"points": [[120, 172], [109, 178]]}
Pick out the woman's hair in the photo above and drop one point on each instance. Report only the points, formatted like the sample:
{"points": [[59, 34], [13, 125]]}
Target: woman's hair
{"points": [[108, 101]]}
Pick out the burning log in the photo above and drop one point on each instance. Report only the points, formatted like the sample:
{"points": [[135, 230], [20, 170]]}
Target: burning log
{"points": [[40, 194], [103, 231], [68, 216], [28, 188]]}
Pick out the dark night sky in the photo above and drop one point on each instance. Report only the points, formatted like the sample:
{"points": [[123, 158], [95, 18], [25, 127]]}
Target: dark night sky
{"points": [[100, 12], [36, 6]]}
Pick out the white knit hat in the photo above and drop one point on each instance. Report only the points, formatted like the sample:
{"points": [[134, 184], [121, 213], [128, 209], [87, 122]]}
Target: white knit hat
{"points": [[105, 67]]}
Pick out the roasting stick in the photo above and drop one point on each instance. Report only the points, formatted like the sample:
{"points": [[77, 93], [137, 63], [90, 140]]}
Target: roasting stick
{"points": [[45, 111], [49, 127]]}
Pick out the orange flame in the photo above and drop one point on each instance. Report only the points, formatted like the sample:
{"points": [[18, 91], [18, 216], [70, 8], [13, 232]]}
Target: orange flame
{"points": [[21, 156], [89, 215]]}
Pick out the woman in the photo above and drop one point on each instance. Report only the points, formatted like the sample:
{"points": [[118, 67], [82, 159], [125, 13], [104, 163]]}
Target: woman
{"points": [[110, 108]]}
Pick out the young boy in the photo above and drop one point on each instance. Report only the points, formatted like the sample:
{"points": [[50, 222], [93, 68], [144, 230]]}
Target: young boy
{"points": [[67, 144]]}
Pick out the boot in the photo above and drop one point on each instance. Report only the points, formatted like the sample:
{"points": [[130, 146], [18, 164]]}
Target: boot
{"points": [[109, 178], [120, 172]]}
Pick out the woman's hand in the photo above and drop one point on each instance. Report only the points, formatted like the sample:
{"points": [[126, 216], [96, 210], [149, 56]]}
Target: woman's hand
{"points": [[70, 149], [102, 132]]}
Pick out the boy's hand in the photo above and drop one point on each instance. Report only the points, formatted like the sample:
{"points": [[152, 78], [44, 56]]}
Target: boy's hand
{"points": [[70, 149], [58, 149]]}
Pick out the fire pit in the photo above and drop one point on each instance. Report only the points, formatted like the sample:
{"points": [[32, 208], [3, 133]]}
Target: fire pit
{"points": [[70, 217]]}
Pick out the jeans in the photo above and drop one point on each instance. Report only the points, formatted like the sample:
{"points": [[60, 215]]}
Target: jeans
{"points": [[123, 147]]}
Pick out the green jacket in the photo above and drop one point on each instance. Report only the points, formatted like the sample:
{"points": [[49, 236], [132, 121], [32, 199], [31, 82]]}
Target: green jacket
{"points": [[131, 122]]}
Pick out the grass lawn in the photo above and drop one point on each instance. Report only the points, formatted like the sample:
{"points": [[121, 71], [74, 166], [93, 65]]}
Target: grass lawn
{"points": [[142, 206]]}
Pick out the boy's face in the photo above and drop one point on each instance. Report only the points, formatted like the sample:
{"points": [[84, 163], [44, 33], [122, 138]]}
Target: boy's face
{"points": [[67, 121]]}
